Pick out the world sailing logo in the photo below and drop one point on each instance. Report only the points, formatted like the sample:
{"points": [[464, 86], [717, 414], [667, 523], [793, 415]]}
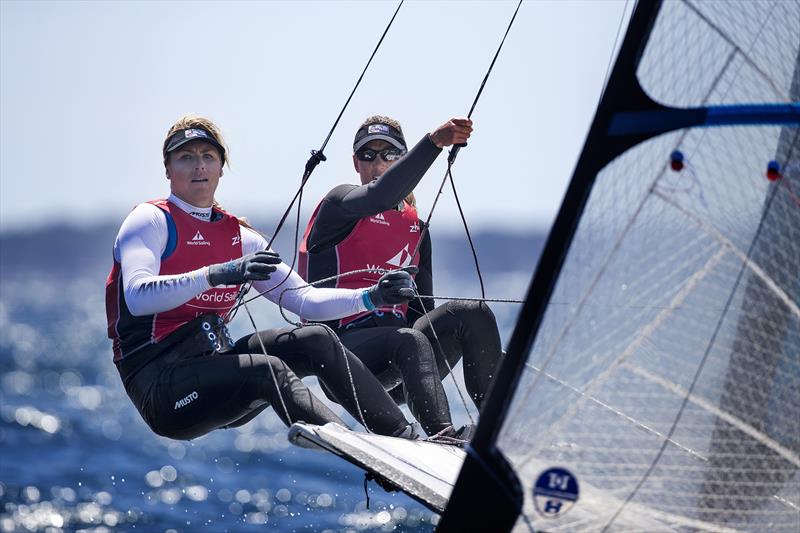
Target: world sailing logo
{"points": [[198, 240], [379, 219]]}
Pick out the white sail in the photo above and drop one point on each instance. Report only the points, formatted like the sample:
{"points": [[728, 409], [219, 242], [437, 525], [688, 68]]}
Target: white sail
{"points": [[665, 376]]}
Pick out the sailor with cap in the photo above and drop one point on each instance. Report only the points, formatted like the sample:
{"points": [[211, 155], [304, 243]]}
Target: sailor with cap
{"points": [[375, 225], [178, 265]]}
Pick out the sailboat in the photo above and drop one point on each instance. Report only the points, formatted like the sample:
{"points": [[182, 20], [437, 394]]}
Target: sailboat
{"points": [[652, 381]]}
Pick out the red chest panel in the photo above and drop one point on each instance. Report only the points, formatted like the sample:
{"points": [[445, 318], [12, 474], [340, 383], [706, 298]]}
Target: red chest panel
{"points": [[381, 242], [197, 244]]}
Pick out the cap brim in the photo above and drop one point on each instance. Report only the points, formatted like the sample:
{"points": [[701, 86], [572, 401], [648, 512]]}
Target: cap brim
{"points": [[181, 142], [378, 137]]}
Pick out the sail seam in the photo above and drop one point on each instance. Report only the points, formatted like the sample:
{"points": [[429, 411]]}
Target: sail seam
{"points": [[633, 345], [737, 48], [700, 366], [714, 233], [617, 412], [716, 411]]}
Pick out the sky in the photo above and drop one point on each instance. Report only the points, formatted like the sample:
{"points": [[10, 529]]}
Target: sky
{"points": [[89, 89]]}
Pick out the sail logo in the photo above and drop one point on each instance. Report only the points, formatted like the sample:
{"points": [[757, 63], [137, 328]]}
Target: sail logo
{"points": [[198, 240], [555, 492], [401, 259], [183, 402], [379, 219]]}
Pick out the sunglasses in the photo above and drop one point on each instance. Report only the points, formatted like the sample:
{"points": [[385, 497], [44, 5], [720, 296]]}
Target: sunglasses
{"points": [[387, 154]]}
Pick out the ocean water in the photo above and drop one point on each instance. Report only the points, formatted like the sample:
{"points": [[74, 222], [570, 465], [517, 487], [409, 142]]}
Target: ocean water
{"points": [[76, 456]]}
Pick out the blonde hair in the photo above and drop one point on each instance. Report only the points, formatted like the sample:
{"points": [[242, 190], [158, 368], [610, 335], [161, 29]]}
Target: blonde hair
{"points": [[196, 121], [382, 119]]}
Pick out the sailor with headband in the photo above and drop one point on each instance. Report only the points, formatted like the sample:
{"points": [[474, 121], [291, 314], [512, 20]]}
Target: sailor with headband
{"points": [[178, 265]]}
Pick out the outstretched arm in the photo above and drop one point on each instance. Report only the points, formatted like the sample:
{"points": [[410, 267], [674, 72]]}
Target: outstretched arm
{"points": [[138, 248], [346, 204], [401, 178]]}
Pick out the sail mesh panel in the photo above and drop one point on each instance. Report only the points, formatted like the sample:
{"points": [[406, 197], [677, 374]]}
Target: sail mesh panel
{"points": [[666, 373]]}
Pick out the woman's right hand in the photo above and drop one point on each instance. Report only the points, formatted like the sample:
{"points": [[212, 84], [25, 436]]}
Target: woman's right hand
{"points": [[251, 267], [395, 287], [454, 131]]}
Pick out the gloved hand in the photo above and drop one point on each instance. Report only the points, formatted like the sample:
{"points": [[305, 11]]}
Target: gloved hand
{"points": [[251, 267], [396, 287]]}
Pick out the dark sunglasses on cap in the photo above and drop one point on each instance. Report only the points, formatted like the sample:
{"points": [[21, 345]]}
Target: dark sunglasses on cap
{"points": [[387, 154]]}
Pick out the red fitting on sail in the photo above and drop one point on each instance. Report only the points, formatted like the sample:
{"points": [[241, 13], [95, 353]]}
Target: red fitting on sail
{"points": [[773, 171], [676, 160]]}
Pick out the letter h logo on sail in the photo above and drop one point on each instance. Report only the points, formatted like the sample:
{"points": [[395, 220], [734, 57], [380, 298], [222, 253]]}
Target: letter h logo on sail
{"points": [[555, 492]]}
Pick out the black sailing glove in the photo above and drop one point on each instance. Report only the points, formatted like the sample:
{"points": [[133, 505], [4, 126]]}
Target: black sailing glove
{"points": [[396, 287], [251, 267]]}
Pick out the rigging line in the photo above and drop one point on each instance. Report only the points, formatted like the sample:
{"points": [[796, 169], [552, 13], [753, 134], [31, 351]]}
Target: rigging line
{"points": [[429, 296], [317, 156], [454, 151], [710, 407], [727, 38], [466, 299], [702, 363], [611, 56], [371, 270], [777, 291], [469, 237], [448, 174], [491, 66], [333, 335], [271, 370], [617, 412], [444, 357], [643, 333]]}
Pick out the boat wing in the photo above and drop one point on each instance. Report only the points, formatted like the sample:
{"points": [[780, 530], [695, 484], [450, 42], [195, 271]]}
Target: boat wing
{"points": [[426, 471]]}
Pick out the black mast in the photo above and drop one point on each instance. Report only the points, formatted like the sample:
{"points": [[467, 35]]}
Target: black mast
{"points": [[488, 495]]}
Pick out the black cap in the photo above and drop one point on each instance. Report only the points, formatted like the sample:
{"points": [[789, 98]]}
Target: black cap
{"points": [[181, 137], [379, 131]]}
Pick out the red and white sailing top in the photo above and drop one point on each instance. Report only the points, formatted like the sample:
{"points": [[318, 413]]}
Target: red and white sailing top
{"points": [[381, 242], [192, 244]]}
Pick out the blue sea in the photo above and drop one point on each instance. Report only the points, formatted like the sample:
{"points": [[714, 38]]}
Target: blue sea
{"points": [[75, 455]]}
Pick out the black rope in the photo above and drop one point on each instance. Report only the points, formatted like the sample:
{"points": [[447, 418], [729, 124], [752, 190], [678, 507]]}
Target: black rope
{"points": [[317, 156], [469, 237], [454, 151], [451, 158]]}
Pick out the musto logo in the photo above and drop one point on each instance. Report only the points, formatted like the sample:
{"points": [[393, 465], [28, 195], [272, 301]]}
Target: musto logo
{"points": [[183, 402]]}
